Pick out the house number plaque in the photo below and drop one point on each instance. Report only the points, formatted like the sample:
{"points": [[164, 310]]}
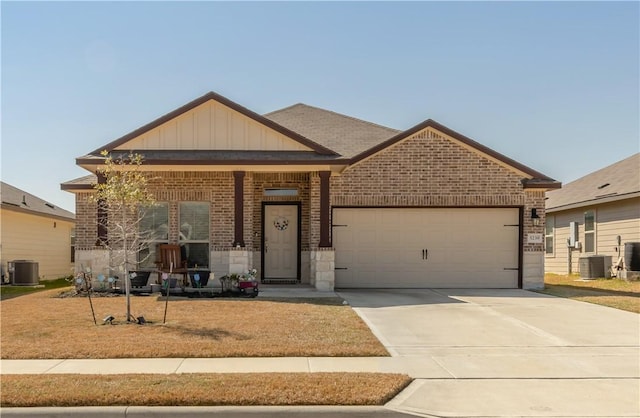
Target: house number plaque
{"points": [[534, 238]]}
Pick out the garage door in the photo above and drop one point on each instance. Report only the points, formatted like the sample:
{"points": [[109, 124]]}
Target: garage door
{"points": [[417, 248]]}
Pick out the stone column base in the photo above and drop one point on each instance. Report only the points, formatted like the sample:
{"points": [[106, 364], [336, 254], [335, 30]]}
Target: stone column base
{"points": [[97, 260], [533, 270], [322, 268], [239, 261]]}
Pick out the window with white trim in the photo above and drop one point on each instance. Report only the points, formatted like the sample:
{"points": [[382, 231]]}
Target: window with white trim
{"points": [[154, 230], [590, 231], [193, 227], [548, 234]]}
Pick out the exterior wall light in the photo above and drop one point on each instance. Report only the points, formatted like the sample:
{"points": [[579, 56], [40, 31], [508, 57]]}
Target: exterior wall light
{"points": [[535, 217]]}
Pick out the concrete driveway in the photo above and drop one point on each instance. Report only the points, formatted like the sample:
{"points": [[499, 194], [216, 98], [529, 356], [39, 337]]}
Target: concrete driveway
{"points": [[506, 353]]}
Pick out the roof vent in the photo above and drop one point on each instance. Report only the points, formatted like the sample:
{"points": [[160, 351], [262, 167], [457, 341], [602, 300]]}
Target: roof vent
{"points": [[24, 200], [49, 205], [603, 186]]}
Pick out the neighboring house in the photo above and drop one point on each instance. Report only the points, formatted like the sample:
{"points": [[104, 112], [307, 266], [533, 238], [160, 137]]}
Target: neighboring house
{"points": [[599, 207], [33, 229], [306, 195]]}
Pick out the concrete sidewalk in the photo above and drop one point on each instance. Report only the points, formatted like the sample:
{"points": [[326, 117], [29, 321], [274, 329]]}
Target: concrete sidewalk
{"points": [[218, 365], [461, 382], [459, 363]]}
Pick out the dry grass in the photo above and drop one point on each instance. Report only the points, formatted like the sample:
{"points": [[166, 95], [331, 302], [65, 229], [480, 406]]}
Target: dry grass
{"points": [[201, 389], [615, 293], [43, 326]]}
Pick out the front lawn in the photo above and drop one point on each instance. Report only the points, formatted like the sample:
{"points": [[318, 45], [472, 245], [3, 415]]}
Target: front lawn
{"points": [[201, 389], [615, 293], [43, 326]]}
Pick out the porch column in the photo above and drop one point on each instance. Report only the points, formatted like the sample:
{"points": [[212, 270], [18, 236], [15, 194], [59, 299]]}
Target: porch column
{"points": [[238, 205], [325, 225], [101, 215]]}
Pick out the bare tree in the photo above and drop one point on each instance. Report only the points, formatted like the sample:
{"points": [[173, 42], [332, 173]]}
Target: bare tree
{"points": [[123, 199]]}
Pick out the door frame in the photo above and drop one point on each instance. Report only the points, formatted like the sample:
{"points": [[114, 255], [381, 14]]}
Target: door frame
{"points": [[299, 238]]}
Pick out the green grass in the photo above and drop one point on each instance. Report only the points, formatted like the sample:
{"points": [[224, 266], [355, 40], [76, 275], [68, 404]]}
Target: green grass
{"points": [[10, 292]]}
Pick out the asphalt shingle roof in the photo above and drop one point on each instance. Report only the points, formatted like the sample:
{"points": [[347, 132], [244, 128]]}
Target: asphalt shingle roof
{"points": [[616, 180], [14, 198], [346, 135]]}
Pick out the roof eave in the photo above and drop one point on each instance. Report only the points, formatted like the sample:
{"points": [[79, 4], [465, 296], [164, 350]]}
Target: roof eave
{"points": [[19, 209], [76, 187], [93, 162], [592, 202], [541, 184]]}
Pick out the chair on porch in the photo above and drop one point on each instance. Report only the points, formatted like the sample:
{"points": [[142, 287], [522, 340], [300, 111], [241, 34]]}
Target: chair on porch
{"points": [[171, 263]]}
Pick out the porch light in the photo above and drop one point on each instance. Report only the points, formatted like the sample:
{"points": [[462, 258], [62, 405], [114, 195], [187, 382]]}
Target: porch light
{"points": [[535, 217]]}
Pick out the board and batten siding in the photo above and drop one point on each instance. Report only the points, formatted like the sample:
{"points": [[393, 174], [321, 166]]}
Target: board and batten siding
{"points": [[44, 240], [611, 219], [213, 126]]}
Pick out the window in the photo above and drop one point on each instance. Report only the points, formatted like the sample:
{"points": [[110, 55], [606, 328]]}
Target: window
{"points": [[154, 230], [548, 235], [281, 192], [73, 245], [589, 231], [193, 227]]}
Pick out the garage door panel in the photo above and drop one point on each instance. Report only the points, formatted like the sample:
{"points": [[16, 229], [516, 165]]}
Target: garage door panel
{"points": [[466, 247]]}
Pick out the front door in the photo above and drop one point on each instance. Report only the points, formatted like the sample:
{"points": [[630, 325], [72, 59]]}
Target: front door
{"points": [[281, 246]]}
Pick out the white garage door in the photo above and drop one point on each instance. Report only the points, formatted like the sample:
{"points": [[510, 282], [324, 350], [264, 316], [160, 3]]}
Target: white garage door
{"points": [[418, 248]]}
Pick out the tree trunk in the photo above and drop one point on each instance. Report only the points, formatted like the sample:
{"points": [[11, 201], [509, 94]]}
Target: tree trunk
{"points": [[127, 280]]}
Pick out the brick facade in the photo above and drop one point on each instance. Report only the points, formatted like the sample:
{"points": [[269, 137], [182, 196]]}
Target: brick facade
{"points": [[430, 170], [425, 170]]}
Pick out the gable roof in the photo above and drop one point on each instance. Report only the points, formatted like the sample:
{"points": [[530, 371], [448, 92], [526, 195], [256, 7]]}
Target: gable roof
{"points": [[223, 100], [537, 180], [21, 201], [618, 181], [332, 139], [344, 134]]}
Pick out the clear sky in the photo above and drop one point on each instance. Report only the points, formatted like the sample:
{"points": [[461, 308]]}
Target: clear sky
{"points": [[553, 85]]}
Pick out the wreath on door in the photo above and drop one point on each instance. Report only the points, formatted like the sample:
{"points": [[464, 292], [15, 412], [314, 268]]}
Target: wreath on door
{"points": [[281, 223]]}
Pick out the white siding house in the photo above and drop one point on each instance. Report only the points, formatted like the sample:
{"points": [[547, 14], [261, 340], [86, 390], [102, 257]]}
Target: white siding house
{"points": [[33, 229]]}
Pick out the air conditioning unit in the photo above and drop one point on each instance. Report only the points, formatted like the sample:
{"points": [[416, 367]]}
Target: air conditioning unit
{"points": [[632, 256], [594, 266]]}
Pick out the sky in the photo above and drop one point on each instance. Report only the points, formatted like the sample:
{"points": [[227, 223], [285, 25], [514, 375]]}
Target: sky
{"points": [[553, 85]]}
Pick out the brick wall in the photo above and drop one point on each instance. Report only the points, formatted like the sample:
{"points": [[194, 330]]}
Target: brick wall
{"points": [[430, 170], [427, 170], [86, 222]]}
